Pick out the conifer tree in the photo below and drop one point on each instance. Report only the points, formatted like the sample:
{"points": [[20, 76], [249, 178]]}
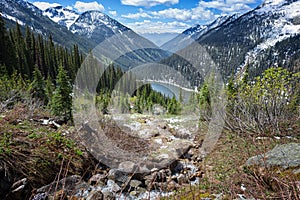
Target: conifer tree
{"points": [[29, 44], [204, 98], [173, 106], [61, 103], [7, 54], [37, 87], [49, 90]]}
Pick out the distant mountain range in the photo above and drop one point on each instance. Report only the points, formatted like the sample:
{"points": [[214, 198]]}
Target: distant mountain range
{"points": [[93, 25], [264, 37], [87, 29]]}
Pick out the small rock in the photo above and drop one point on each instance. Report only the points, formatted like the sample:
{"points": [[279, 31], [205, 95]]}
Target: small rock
{"points": [[97, 179], [199, 158], [133, 193], [113, 186], [117, 175], [81, 189], [41, 196], [135, 183], [162, 125], [141, 190], [174, 177]]}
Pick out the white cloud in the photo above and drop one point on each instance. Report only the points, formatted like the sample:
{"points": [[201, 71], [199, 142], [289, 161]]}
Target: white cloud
{"points": [[197, 13], [184, 14], [200, 13], [140, 14], [203, 12], [148, 3], [82, 6], [148, 26], [212, 4], [239, 7], [173, 13], [228, 6], [113, 12], [45, 5], [240, 1]]}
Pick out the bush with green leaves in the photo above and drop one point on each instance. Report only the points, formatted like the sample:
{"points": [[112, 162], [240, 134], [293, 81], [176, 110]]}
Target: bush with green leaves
{"points": [[259, 106]]}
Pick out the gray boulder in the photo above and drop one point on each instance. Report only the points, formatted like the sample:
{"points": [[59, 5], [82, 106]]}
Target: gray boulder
{"points": [[285, 156]]}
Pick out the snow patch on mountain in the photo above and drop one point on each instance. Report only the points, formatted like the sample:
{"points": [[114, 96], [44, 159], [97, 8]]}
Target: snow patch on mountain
{"points": [[12, 18], [273, 2], [283, 27]]}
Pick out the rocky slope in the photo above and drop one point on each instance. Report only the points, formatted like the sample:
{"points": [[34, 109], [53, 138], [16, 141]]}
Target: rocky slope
{"points": [[42, 159]]}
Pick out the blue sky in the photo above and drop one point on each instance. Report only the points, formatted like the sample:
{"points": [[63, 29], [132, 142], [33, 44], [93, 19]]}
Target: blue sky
{"points": [[158, 16]]}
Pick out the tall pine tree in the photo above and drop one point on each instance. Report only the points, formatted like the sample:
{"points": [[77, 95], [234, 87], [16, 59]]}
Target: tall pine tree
{"points": [[37, 86], [61, 103]]}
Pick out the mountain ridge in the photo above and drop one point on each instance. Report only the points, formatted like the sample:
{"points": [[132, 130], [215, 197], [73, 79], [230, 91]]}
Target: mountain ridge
{"points": [[88, 30], [231, 41], [249, 39]]}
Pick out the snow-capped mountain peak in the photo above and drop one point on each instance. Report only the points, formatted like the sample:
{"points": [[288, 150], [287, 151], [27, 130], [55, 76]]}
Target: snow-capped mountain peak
{"points": [[195, 32], [94, 23], [198, 30], [61, 15]]}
